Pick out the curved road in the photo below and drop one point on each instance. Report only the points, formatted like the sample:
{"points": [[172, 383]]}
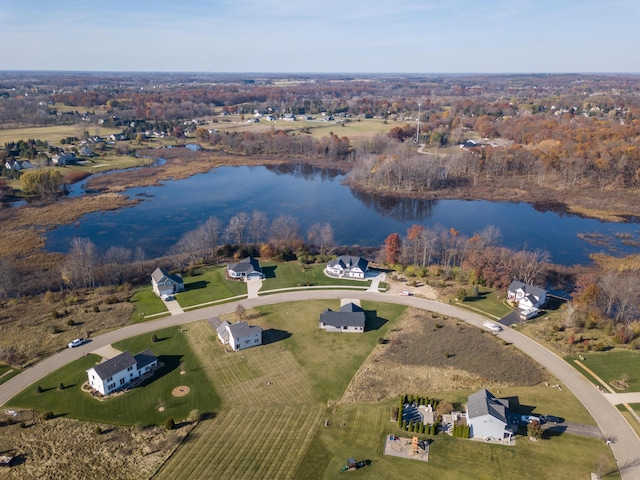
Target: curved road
{"points": [[625, 446]]}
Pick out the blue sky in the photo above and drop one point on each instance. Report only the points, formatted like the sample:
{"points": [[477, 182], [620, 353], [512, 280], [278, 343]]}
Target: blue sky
{"points": [[422, 36]]}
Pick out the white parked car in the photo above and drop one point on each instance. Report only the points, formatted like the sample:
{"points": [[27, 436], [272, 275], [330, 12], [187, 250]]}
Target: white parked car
{"points": [[77, 342], [404, 293]]}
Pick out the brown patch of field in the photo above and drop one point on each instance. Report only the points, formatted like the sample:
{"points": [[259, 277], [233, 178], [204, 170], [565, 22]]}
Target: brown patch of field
{"points": [[180, 391], [432, 354], [30, 332], [63, 448]]}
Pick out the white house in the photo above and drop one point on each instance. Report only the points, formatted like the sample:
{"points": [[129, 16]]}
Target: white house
{"points": [[239, 335], [246, 269], [64, 158], [120, 371], [348, 266], [350, 318], [17, 165], [526, 296], [487, 417], [164, 283]]}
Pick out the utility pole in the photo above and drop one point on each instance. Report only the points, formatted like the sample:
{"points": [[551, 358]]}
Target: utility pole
{"points": [[418, 132]]}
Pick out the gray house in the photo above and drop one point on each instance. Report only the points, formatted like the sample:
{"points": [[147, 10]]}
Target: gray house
{"points": [[526, 296], [166, 284], [487, 417], [246, 269], [350, 318], [348, 266]]}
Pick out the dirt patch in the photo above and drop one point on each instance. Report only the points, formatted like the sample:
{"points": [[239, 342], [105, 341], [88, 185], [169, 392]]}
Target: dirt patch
{"points": [[620, 384], [421, 289], [64, 448], [425, 349], [180, 391]]}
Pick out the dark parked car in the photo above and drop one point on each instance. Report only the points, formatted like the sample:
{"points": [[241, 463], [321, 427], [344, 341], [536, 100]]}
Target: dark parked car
{"points": [[551, 419]]}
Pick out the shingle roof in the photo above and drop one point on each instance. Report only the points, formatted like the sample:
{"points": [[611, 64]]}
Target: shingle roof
{"points": [[246, 265], [242, 329], [347, 262], [350, 315], [160, 273], [482, 403], [114, 365], [145, 358], [527, 289]]}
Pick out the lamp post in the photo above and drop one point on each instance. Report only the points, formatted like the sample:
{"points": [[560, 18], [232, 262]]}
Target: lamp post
{"points": [[418, 132]]}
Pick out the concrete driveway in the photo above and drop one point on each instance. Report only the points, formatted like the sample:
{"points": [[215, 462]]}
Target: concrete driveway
{"points": [[626, 445]]}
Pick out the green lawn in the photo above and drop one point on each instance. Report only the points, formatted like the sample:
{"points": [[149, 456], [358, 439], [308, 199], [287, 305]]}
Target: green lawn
{"points": [[293, 274], [7, 372], [359, 430], [488, 302], [139, 404], [613, 365], [145, 302], [208, 285]]}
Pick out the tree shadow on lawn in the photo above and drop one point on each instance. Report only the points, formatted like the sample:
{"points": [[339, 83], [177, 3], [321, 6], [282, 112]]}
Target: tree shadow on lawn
{"points": [[476, 298], [169, 364], [269, 272], [199, 285], [373, 321], [274, 335]]}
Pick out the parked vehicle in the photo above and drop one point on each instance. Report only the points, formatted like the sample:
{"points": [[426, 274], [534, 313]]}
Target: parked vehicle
{"points": [[551, 419], [494, 327], [404, 293], [77, 342], [530, 418]]}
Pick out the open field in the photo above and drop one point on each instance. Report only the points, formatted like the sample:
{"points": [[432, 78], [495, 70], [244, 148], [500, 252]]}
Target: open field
{"points": [[54, 134], [611, 366], [139, 405], [65, 448], [146, 302], [487, 302]]}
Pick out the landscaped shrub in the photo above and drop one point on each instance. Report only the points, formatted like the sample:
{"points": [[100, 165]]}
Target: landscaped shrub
{"points": [[48, 415], [169, 424], [404, 425], [55, 315], [394, 414], [154, 338], [410, 427], [70, 322], [38, 389], [98, 430], [61, 386]]}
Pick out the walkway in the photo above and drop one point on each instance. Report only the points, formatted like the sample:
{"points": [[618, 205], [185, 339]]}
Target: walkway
{"points": [[625, 446]]}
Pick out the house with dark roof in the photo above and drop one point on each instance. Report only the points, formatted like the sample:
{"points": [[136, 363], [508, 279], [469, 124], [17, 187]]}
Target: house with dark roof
{"points": [[350, 318], [347, 266], [239, 335], [246, 269], [487, 417], [119, 371], [526, 296], [164, 283]]}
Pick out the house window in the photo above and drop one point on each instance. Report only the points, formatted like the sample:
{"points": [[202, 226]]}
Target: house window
{"points": [[246, 342], [130, 375], [122, 380], [109, 379], [344, 327], [257, 341], [111, 387], [130, 368]]}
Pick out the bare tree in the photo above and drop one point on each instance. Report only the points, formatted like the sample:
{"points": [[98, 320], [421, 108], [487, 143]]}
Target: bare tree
{"points": [[140, 258], [321, 234], [116, 260], [529, 265], [236, 232], [257, 226], [490, 236], [210, 232], [284, 231], [78, 269]]}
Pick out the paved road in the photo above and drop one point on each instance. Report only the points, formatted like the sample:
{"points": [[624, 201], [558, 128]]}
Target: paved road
{"points": [[625, 446]]}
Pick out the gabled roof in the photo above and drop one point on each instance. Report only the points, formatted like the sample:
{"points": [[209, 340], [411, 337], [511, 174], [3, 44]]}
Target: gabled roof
{"points": [[527, 289], [114, 365], [159, 274], [222, 331], [246, 265], [347, 262], [484, 403], [350, 315], [242, 329], [145, 358]]}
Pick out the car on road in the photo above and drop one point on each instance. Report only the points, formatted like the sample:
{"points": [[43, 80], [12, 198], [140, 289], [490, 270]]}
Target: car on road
{"points": [[77, 342], [404, 293], [494, 327], [551, 419]]}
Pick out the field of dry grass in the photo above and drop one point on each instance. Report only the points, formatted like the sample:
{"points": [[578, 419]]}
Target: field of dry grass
{"points": [[63, 448], [437, 354], [30, 333]]}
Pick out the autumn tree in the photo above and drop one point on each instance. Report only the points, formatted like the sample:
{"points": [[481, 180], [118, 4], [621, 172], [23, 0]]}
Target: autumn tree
{"points": [[42, 182], [284, 231], [393, 247], [321, 234]]}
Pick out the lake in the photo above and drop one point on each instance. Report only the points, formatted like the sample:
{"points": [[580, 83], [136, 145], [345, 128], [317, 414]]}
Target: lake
{"points": [[313, 195]]}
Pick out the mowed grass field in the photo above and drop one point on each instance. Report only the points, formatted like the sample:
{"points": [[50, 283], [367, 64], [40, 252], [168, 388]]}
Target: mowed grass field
{"points": [[294, 274], [611, 366], [52, 134], [277, 397], [207, 285]]}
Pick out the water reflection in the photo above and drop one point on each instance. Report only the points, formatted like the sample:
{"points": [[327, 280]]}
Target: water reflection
{"points": [[305, 171], [401, 209]]}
